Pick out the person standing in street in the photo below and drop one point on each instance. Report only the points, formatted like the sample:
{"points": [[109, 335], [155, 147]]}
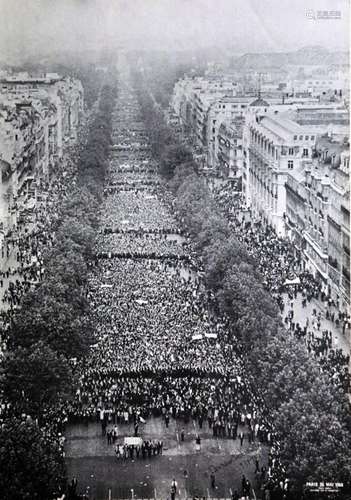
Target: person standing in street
{"points": [[213, 480], [182, 435], [241, 436], [174, 488]]}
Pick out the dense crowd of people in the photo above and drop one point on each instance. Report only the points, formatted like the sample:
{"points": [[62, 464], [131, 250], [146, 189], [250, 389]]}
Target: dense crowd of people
{"points": [[136, 209], [133, 245], [22, 251], [294, 287], [160, 350]]}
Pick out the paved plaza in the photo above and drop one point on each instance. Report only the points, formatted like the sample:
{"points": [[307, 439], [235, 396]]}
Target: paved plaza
{"points": [[340, 339], [93, 461]]}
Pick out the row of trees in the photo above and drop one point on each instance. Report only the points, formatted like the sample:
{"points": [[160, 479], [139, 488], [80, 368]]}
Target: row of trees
{"points": [[170, 153], [169, 68], [56, 311], [310, 414], [53, 326]]}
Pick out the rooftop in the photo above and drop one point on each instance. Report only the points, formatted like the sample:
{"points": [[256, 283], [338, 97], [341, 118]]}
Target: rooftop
{"points": [[23, 78], [259, 102], [281, 126], [327, 144]]}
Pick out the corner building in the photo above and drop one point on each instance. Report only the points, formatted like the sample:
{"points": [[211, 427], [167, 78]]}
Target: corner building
{"points": [[275, 146]]}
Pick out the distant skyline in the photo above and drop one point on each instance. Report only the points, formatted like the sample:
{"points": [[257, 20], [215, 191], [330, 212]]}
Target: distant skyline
{"points": [[29, 26]]}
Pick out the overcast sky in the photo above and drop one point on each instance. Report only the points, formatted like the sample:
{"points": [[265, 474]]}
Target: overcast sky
{"points": [[249, 25]]}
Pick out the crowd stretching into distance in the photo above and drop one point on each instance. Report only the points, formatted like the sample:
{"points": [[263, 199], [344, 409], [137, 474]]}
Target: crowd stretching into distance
{"points": [[161, 350], [160, 346]]}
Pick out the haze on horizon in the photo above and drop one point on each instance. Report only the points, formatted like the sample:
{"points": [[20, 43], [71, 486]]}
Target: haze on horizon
{"points": [[44, 26]]}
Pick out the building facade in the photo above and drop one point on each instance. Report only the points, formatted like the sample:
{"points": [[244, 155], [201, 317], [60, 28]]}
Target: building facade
{"points": [[317, 216], [38, 116], [275, 146], [288, 154]]}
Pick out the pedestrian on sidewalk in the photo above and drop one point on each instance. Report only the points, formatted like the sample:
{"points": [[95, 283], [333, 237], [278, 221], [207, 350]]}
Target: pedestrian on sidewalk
{"points": [[174, 487], [198, 443], [241, 437], [213, 480]]}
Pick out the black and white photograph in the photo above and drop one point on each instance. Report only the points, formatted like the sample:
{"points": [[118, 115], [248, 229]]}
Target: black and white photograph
{"points": [[175, 250]]}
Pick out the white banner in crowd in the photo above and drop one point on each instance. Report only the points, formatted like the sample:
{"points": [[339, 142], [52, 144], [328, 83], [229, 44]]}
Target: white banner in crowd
{"points": [[133, 441], [197, 337], [295, 281], [141, 302]]}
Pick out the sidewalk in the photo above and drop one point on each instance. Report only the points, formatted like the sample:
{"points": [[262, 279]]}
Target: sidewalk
{"points": [[6, 263], [340, 340]]}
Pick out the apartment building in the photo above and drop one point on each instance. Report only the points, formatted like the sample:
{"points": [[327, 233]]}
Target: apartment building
{"points": [[37, 117], [274, 146], [290, 158], [345, 228], [317, 216], [330, 118], [339, 231], [229, 150], [337, 85], [226, 112], [192, 99], [317, 185], [65, 93], [23, 158]]}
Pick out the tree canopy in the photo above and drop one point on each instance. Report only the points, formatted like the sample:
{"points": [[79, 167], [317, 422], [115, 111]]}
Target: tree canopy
{"points": [[31, 463], [33, 378], [310, 415], [52, 326]]}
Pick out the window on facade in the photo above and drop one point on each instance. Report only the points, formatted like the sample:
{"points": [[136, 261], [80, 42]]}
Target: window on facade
{"points": [[290, 164], [291, 151], [300, 137], [312, 137], [306, 137], [305, 152], [295, 137]]}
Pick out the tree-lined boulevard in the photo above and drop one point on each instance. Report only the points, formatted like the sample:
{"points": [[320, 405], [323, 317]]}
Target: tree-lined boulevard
{"points": [[157, 318]]}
